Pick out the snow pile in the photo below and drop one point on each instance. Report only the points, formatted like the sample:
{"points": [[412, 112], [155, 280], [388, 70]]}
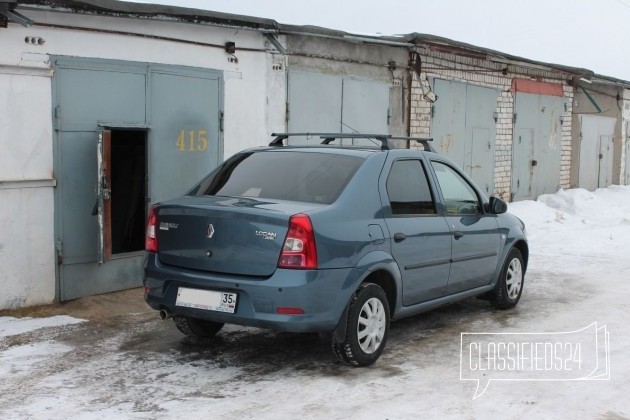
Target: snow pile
{"points": [[603, 207], [13, 326], [570, 224]]}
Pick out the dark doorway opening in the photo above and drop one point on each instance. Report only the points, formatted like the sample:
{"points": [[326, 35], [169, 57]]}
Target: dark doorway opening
{"points": [[129, 186]]}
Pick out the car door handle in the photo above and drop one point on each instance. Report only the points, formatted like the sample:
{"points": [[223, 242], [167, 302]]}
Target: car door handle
{"points": [[399, 237], [458, 234]]}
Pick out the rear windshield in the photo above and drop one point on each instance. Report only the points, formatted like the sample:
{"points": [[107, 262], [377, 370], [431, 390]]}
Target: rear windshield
{"points": [[283, 175]]}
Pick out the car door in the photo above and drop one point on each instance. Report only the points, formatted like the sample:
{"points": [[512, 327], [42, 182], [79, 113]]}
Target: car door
{"points": [[420, 237], [475, 234]]}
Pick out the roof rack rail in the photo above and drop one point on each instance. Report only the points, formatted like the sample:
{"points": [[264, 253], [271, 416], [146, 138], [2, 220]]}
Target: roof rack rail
{"points": [[328, 138]]}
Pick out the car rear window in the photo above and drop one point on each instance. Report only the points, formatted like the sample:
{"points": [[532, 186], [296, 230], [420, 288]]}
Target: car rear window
{"points": [[282, 175]]}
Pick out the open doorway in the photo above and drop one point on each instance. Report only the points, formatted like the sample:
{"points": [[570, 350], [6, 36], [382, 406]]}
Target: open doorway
{"points": [[128, 190]]}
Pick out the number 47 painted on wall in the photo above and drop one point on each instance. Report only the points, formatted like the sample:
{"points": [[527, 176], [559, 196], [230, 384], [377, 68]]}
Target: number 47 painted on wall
{"points": [[197, 141]]}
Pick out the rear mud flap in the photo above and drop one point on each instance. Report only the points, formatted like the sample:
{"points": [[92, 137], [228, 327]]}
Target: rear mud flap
{"points": [[339, 334]]}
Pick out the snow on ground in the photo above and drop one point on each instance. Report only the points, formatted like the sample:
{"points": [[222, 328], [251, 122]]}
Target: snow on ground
{"points": [[14, 326], [578, 273]]}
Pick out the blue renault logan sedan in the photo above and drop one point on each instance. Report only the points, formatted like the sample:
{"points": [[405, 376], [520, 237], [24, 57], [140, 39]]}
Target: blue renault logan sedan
{"points": [[331, 238]]}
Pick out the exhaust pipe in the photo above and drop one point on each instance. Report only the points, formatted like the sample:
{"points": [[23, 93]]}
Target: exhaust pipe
{"points": [[165, 314]]}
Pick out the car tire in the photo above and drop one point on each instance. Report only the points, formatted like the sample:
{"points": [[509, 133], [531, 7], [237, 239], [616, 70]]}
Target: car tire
{"points": [[367, 328], [197, 328], [509, 287]]}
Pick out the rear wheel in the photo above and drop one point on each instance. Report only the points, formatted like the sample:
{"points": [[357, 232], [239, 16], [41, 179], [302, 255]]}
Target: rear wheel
{"points": [[367, 329], [197, 328], [509, 288]]}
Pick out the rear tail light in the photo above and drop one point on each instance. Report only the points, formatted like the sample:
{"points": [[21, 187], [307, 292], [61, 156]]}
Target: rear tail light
{"points": [[298, 250], [150, 242]]}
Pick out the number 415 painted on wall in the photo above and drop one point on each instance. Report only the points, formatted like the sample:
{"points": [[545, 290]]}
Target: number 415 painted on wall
{"points": [[197, 141]]}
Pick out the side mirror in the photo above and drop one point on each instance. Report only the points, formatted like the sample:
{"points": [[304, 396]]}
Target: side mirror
{"points": [[497, 206]]}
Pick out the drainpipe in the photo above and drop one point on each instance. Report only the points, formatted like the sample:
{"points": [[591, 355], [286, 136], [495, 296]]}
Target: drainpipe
{"points": [[409, 92]]}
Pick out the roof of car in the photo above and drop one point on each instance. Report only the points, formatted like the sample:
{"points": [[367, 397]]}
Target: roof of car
{"points": [[359, 151], [356, 150], [381, 141]]}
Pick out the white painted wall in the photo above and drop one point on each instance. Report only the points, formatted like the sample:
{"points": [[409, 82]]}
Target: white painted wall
{"points": [[27, 270], [27, 254], [25, 126]]}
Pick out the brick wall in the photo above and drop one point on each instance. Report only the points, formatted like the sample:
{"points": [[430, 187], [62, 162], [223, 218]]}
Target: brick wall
{"points": [[486, 73]]}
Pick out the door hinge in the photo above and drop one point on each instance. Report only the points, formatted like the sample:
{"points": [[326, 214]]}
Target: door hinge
{"points": [[389, 116], [514, 117], [59, 252], [286, 112], [58, 118], [432, 111], [221, 115], [496, 116]]}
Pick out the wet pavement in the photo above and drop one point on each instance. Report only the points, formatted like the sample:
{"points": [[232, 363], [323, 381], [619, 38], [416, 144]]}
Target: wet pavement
{"points": [[125, 361]]}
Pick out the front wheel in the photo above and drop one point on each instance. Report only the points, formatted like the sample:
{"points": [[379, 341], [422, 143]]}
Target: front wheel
{"points": [[367, 329], [509, 288]]}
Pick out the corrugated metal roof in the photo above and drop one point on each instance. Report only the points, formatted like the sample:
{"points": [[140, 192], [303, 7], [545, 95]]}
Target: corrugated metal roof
{"points": [[436, 43], [445, 44], [151, 11]]}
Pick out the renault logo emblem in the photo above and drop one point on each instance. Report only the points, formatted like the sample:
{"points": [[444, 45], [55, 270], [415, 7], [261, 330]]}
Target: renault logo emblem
{"points": [[210, 231]]}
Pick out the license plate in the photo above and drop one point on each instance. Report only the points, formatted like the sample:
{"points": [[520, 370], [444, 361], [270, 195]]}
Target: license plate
{"points": [[206, 299]]}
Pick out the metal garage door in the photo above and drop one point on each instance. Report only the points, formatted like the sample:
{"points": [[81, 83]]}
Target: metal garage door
{"points": [[159, 131], [537, 145], [596, 151], [464, 128], [327, 103]]}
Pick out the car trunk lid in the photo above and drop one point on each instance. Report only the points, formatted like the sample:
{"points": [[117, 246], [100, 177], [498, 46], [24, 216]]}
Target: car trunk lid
{"points": [[241, 236]]}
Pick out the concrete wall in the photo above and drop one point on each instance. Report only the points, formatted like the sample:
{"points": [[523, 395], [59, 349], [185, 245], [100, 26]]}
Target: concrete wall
{"points": [[606, 97], [486, 73], [27, 252]]}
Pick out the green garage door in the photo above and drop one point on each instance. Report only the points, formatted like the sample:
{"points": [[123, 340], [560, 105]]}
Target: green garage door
{"points": [[537, 145], [159, 128], [464, 128], [330, 103]]}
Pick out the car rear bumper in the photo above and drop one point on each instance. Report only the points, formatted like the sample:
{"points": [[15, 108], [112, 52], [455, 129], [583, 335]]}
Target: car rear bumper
{"points": [[321, 294]]}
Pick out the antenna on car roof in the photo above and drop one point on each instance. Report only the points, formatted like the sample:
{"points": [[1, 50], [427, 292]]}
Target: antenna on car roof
{"points": [[328, 138], [377, 142]]}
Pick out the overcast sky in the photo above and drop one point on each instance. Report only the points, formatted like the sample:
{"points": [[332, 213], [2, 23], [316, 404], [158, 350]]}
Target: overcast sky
{"points": [[594, 34]]}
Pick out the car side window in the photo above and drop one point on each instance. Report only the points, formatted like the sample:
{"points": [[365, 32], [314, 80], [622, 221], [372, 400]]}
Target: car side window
{"points": [[408, 189], [459, 196]]}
